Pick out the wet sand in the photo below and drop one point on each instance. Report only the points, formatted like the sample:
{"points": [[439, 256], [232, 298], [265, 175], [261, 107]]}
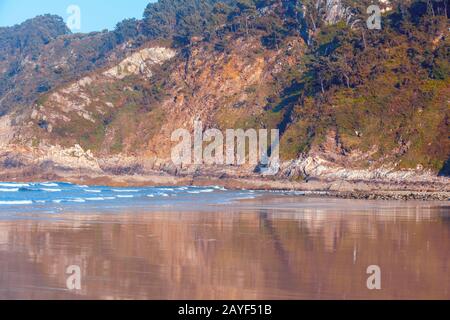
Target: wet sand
{"points": [[266, 248]]}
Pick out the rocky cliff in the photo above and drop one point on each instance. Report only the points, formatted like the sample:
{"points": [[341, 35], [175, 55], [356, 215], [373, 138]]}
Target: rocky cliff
{"points": [[350, 103]]}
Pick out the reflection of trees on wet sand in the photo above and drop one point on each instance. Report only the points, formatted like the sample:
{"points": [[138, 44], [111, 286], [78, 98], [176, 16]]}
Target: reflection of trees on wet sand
{"points": [[287, 278], [302, 253]]}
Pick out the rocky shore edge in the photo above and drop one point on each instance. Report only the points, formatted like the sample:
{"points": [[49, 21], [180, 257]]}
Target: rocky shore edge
{"points": [[438, 190]]}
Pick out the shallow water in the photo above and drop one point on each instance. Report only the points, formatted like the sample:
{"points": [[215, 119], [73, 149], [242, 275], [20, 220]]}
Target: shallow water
{"points": [[211, 245], [59, 197]]}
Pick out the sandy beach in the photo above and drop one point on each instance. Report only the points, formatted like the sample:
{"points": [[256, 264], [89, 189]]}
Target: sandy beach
{"points": [[271, 247]]}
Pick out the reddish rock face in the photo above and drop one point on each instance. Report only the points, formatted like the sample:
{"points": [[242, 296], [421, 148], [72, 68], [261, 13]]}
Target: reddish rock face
{"points": [[87, 110]]}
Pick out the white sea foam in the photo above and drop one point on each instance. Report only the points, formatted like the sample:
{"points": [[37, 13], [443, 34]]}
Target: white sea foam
{"points": [[9, 190], [77, 200], [12, 184], [49, 184], [57, 201], [117, 190], [92, 191], [16, 202], [201, 191], [95, 199], [125, 196], [50, 190]]}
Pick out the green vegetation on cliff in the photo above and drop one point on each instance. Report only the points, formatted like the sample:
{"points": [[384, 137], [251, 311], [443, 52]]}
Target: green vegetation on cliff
{"points": [[382, 94]]}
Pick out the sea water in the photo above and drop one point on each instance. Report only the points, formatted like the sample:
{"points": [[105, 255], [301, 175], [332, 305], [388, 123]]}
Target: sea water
{"points": [[60, 196], [206, 243]]}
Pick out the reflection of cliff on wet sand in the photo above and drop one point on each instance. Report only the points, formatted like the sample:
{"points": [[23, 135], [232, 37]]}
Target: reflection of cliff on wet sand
{"points": [[289, 248]]}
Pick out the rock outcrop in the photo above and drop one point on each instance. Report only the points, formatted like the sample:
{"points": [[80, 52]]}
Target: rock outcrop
{"points": [[141, 62], [114, 114]]}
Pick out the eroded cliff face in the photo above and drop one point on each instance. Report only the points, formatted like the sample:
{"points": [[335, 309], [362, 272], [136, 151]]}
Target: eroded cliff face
{"points": [[116, 118], [112, 122], [87, 98]]}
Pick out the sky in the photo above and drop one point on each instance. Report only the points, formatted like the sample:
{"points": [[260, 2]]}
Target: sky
{"points": [[95, 15]]}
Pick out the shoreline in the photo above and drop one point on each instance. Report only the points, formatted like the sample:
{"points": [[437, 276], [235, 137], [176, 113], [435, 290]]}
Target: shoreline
{"points": [[344, 189], [160, 252]]}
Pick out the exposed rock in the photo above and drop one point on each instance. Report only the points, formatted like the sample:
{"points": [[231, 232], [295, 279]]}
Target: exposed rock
{"points": [[126, 114], [7, 131], [141, 62]]}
